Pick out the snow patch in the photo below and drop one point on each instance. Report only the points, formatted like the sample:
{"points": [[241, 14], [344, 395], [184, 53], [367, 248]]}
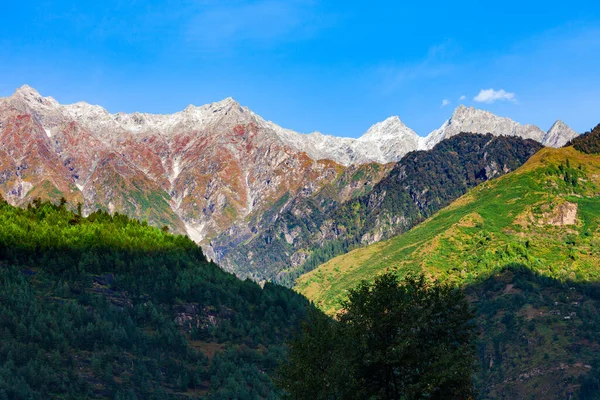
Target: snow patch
{"points": [[176, 170], [25, 188], [195, 232], [249, 198]]}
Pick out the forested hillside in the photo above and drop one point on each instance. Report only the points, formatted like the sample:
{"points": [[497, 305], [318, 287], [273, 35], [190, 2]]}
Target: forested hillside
{"points": [[538, 336], [545, 215], [588, 142], [107, 307]]}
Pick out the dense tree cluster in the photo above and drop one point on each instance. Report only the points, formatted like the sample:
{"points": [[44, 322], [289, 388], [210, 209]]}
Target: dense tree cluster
{"points": [[394, 340], [108, 307], [532, 324], [588, 143]]}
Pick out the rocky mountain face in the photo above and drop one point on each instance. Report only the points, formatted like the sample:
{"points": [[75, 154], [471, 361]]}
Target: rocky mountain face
{"points": [[200, 171], [218, 173], [279, 242], [384, 142], [559, 135], [472, 120]]}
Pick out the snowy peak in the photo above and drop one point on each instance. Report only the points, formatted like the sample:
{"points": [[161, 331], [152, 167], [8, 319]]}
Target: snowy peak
{"points": [[559, 135], [390, 128], [473, 120], [27, 90], [32, 99], [386, 141]]}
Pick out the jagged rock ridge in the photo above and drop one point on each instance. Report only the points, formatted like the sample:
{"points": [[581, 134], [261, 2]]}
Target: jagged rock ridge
{"points": [[390, 140]]}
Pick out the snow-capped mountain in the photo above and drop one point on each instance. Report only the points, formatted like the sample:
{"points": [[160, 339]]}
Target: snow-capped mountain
{"points": [[201, 171], [473, 120], [558, 135], [213, 171]]}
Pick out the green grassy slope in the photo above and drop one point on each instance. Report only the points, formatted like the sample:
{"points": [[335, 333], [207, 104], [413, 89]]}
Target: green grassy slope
{"points": [[108, 307], [544, 215]]}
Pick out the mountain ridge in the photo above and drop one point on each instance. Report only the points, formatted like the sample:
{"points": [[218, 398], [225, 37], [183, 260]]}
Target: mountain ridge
{"points": [[398, 139]]}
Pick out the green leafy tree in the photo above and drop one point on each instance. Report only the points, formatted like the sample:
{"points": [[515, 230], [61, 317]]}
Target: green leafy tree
{"points": [[409, 339]]}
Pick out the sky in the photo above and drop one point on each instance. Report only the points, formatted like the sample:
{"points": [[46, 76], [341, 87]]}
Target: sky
{"points": [[331, 66]]}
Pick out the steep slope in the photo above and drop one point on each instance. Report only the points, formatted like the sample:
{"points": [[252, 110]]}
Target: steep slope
{"points": [[284, 237], [559, 135], [545, 215], [589, 142], [107, 307], [538, 319], [46, 154], [538, 336]]}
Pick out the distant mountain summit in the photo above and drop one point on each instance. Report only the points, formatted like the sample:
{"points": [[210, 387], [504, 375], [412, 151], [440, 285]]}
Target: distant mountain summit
{"points": [[559, 135], [473, 120], [386, 141]]}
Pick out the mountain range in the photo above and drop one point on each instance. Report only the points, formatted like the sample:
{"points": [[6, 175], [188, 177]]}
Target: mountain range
{"points": [[215, 171]]}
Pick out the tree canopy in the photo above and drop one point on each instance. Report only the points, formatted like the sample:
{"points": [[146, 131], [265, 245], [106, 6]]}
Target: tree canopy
{"points": [[409, 339]]}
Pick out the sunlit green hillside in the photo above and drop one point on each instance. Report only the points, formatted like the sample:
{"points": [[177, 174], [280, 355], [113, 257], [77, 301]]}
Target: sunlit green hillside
{"points": [[545, 215]]}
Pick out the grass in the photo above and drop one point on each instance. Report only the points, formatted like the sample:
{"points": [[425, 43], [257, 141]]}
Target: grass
{"points": [[499, 222]]}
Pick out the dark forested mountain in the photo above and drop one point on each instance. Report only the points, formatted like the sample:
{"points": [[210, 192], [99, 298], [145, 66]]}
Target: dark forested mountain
{"points": [[418, 185], [589, 142], [108, 307]]}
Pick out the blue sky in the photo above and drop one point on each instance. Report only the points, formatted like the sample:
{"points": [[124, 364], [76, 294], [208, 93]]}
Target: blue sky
{"points": [[332, 66]]}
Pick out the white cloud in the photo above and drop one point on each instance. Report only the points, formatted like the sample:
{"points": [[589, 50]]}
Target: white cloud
{"points": [[445, 102], [463, 97], [491, 96]]}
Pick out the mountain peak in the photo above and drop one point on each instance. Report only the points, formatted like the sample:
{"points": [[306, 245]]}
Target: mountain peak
{"points": [[558, 124], [559, 134], [226, 102], [27, 90], [475, 120], [391, 127], [30, 98]]}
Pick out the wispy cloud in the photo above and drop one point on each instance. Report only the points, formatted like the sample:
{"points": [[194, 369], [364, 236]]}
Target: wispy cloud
{"points": [[445, 102], [222, 24], [463, 97], [490, 96]]}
